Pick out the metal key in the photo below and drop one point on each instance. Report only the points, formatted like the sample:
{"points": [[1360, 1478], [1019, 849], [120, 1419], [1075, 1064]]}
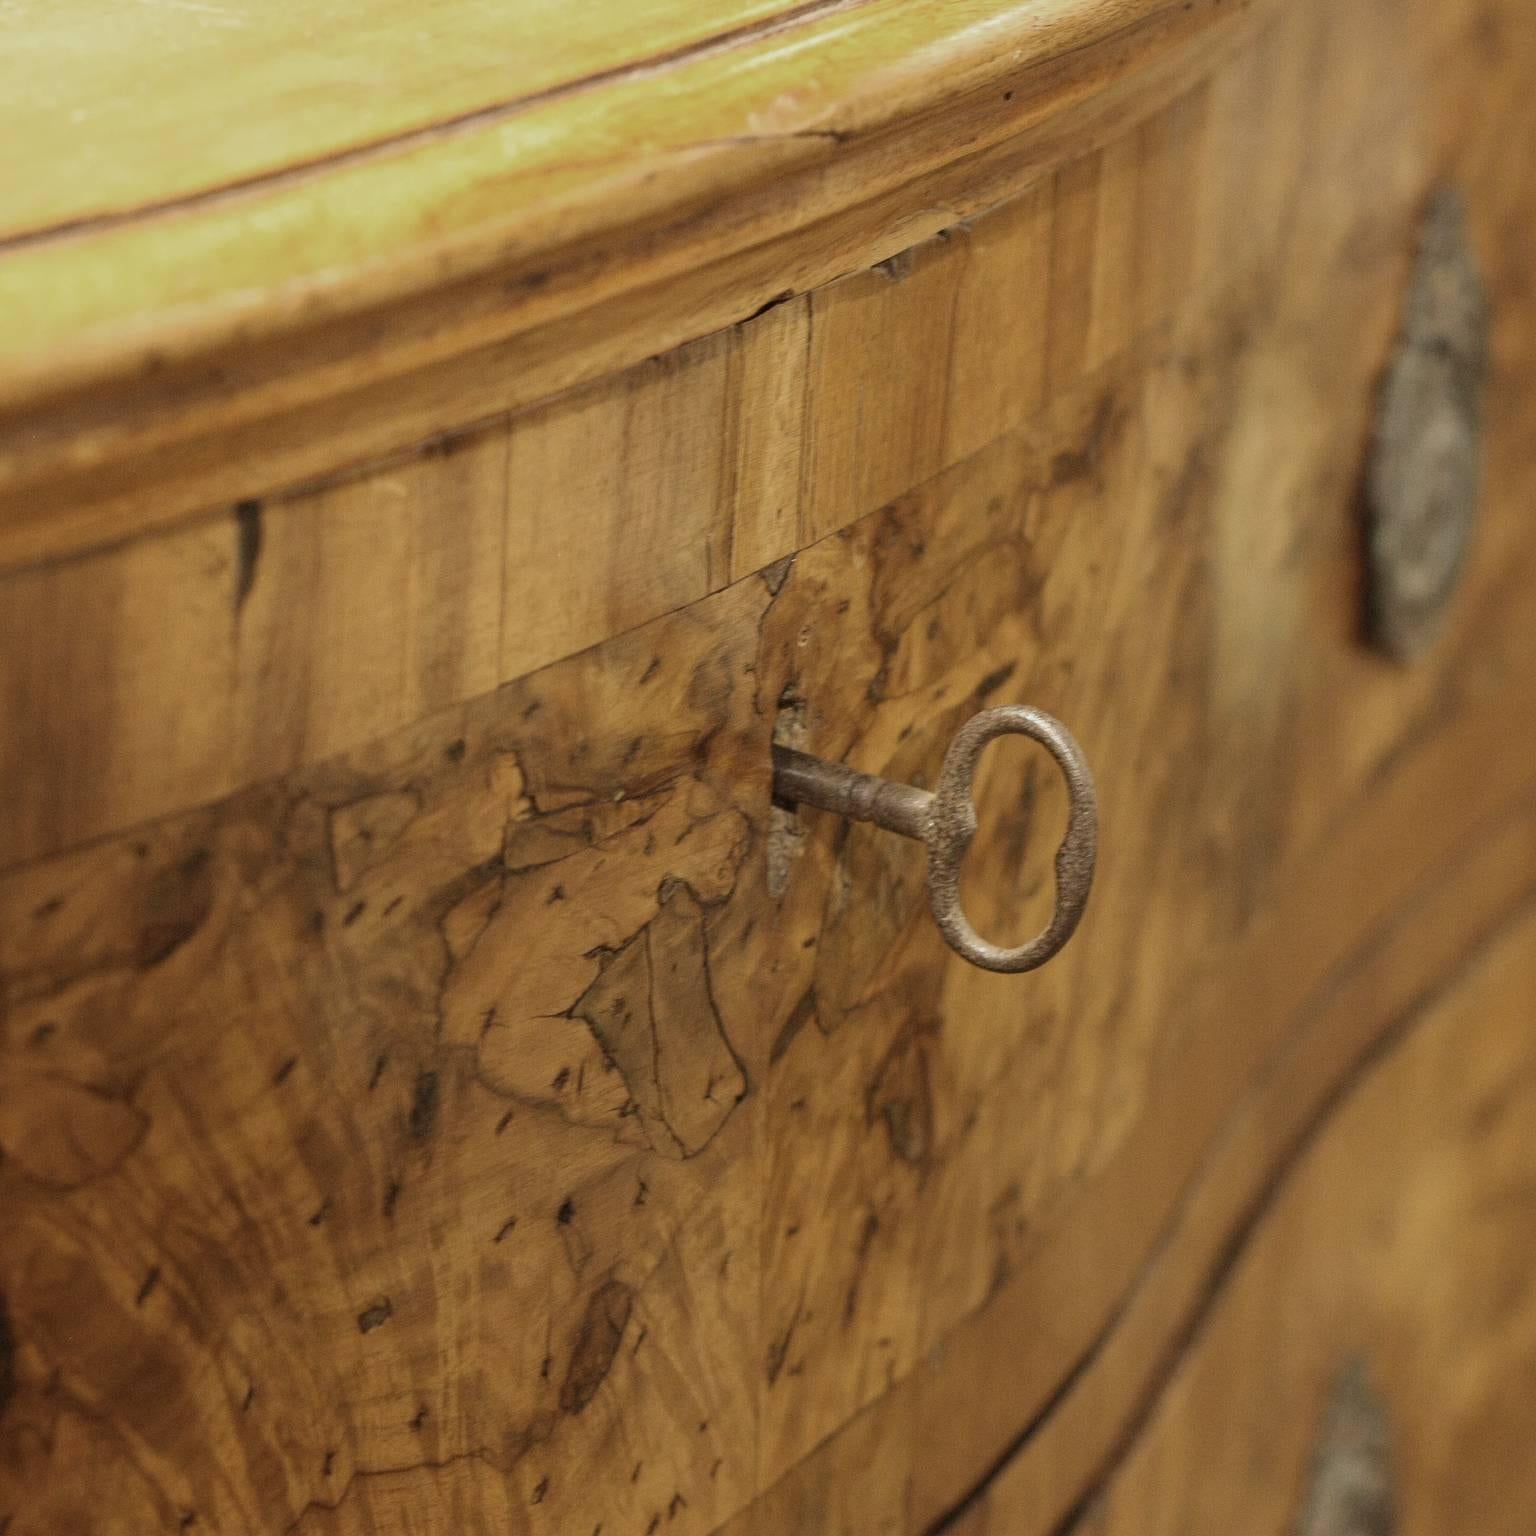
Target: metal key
{"points": [[945, 821]]}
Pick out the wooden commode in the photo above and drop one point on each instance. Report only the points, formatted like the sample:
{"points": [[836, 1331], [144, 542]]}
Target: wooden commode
{"points": [[453, 456]]}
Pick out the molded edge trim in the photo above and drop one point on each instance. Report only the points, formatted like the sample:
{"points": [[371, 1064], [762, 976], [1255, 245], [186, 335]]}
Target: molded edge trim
{"points": [[161, 365]]}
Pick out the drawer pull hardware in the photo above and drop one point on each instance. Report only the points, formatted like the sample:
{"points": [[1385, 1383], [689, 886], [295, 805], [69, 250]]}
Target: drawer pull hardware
{"points": [[945, 820], [1422, 477]]}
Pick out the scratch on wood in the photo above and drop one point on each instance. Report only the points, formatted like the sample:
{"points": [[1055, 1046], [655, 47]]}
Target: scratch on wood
{"points": [[248, 537], [597, 1342], [375, 1316], [7, 1356]]}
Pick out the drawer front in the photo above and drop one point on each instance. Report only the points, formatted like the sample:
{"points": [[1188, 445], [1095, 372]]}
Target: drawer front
{"points": [[1360, 1359], [441, 1090]]}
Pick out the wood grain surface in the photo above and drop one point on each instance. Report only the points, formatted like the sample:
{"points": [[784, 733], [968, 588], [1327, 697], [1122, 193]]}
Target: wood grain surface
{"points": [[658, 486], [278, 91], [1392, 1246], [229, 344], [438, 1089]]}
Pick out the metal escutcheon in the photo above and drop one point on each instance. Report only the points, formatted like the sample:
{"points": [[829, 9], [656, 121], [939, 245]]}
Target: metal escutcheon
{"points": [[1421, 484], [945, 821]]}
